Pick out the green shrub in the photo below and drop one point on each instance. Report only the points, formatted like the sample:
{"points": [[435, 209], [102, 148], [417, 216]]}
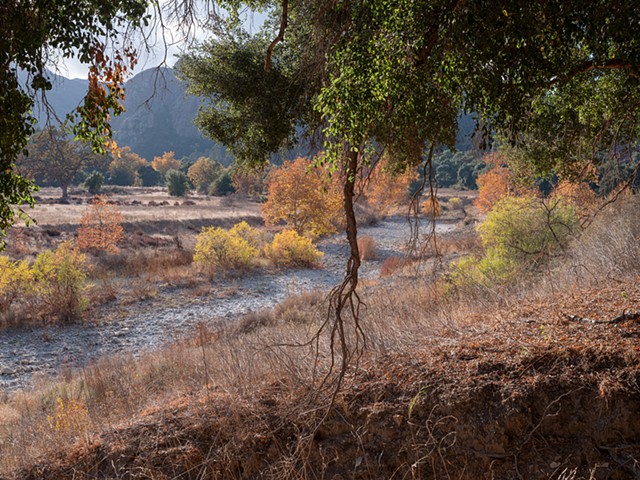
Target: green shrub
{"points": [[222, 186], [529, 229], [289, 249], [93, 183], [518, 234], [493, 268], [219, 250], [59, 281], [177, 183], [149, 177]]}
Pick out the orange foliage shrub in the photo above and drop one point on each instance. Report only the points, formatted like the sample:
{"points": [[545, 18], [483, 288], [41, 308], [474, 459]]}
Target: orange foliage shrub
{"points": [[387, 189], [431, 207], [502, 181], [165, 163], [492, 186], [579, 194], [300, 197], [392, 265], [100, 226]]}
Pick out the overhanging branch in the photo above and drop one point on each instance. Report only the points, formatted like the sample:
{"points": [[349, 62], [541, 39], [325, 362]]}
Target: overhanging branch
{"points": [[280, 37]]}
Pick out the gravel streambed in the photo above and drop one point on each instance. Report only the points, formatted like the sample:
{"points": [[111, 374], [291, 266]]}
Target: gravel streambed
{"points": [[172, 314]]}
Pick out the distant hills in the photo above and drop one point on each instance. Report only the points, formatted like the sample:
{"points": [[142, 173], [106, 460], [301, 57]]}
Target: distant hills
{"points": [[159, 116]]}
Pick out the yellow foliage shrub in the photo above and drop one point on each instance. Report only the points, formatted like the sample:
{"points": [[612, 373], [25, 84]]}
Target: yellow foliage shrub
{"points": [[15, 281], [249, 234], [289, 249], [218, 250], [71, 416], [518, 234], [59, 281], [456, 203]]}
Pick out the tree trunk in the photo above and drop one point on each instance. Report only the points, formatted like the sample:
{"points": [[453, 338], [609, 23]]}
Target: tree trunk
{"points": [[352, 228]]}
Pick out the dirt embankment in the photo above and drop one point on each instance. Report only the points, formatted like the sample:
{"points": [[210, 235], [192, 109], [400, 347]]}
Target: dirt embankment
{"points": [[547, 389]]}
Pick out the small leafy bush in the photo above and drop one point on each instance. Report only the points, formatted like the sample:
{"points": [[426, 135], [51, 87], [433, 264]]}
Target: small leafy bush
{"points": [[60, 281], [218, 250], [367, 248], [177, 183], [290, 249], [495, 267], [93, 183], [530, 229], [456, 203], [392, 265]]}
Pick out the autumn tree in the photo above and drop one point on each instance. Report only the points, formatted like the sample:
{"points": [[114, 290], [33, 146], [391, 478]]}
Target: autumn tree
{"points": [[165, 162], [580, 194], [32, 35], [250, 182], [125, 167], [299, 197], [54, 158], [100, 226], [204, 172], [387, 188], [493, 185]]}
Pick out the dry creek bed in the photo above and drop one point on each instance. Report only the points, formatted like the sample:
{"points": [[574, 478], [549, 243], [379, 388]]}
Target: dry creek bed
{"points": [[30, 352]]}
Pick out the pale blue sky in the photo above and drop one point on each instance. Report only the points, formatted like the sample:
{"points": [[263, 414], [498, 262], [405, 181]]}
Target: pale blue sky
{"points": [[73, 68]]}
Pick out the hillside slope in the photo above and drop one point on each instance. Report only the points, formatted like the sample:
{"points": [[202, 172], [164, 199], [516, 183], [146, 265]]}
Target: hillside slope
{"points": [[544, 388]]}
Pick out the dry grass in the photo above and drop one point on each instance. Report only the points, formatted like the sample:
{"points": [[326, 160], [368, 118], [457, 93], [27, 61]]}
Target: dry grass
{"points": [[146, 206], [150, 262], [463, 241], [367, 248], [392, 265], [610, 246]]}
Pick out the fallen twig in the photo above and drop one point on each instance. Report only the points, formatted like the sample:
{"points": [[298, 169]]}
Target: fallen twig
{"points": [[623, 317]]}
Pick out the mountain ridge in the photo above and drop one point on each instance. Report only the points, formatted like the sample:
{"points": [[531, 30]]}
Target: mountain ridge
{"points": [[159, 115]]}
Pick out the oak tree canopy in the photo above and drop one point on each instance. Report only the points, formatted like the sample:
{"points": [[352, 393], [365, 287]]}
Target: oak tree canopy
{"points": [[557, 79]]}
